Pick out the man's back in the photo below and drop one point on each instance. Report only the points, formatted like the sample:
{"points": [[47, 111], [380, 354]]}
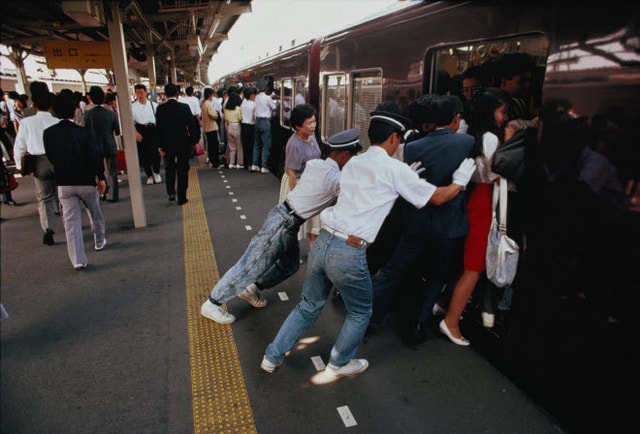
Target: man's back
{"points": [[440, 152], [174, 120], [104, 124]]}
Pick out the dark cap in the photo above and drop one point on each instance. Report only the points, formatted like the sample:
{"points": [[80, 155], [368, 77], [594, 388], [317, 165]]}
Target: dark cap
{"points": [[347, 140], [394, 119], [261, 84]]}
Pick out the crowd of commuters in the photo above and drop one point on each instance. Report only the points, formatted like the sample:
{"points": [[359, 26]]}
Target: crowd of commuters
{"points": [[412, 212]]}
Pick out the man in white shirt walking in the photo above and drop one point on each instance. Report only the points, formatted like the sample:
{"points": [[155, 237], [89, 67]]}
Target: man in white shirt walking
{"points": [[265, 105], [144, 117], [29, 140]]}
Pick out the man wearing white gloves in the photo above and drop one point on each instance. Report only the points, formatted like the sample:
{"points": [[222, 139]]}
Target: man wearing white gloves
{"points": [[369, 186]]}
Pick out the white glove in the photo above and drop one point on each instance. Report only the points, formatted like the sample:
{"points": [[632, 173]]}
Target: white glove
{"points": [[417, 167], [463, 173]]}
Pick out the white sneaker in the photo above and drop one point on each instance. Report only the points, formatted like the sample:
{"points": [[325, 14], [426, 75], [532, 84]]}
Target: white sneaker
{"points": [[150, 180], [80, 266], [268, 366], [264, 170], [254, 169], [488, 319], [216, 313], [101, 246], [157, 178], [351, 369]]}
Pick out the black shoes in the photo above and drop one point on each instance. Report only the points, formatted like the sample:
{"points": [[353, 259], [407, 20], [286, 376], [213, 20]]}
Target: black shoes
{"points": [[415, 333], [183, 201], [10, 202], [172, 198], [48, 238]]}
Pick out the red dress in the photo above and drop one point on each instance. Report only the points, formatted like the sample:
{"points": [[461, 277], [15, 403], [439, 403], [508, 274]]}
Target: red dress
{"points": [[479, 215]]}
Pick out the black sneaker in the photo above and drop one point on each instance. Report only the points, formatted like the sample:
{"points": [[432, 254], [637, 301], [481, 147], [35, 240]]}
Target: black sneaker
{"points": [[48, 238]]}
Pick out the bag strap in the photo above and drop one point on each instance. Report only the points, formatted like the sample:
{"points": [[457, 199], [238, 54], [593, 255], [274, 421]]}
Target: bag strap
{"points": [[500, 196]]}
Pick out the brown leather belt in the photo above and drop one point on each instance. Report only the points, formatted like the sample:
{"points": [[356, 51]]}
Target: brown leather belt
{"points": [[351, 240]]}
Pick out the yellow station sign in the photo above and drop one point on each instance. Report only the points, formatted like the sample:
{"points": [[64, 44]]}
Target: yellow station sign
{"points": [[78, 54]]}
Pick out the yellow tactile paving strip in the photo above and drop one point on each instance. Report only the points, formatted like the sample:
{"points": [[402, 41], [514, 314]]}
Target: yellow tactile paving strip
{"points": [[220, 399]]}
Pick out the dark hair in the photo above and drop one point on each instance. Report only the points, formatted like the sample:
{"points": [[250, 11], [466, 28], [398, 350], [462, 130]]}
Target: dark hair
{"points": [[420, 111], [233, 101], [189, 90], [23, 98], [171, 90], [208, 92], [38, 87], [300, 113], [41, 99], [139, 86], [64, 105], [96, 94], [444, 108], [248, 91], [510, 64], [483, 118]]}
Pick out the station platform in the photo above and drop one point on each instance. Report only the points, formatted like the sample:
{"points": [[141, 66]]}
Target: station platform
{"points": [[121, 347]]}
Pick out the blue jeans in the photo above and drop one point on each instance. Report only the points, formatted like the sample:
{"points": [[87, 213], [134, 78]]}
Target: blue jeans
{"points": [[272, 256], [331, 261], [262, 144]]}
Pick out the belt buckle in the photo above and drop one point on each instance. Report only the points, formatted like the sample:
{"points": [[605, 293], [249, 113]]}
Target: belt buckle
{"points": [[354, 241]]}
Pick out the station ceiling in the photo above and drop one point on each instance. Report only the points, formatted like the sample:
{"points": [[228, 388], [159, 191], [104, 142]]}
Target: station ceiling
{"points": [[188, 31]]}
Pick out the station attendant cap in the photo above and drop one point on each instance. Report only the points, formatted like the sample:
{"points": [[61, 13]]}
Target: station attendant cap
{"points": [[394, 119], [347, 140]]}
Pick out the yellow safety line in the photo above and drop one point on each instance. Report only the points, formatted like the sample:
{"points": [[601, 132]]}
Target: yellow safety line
{"points": [[220, 398]]}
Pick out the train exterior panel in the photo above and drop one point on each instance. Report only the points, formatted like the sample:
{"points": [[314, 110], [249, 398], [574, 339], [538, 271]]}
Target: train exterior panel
{"points": [[567, 337]]}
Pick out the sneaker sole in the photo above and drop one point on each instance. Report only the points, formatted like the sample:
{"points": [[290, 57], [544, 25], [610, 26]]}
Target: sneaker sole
{"points": [[259, 303]]}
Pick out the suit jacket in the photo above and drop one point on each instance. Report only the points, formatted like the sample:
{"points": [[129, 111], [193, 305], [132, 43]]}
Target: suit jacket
{"points": [[441, 152], [74, 153], [104, 124], [177, 128]]}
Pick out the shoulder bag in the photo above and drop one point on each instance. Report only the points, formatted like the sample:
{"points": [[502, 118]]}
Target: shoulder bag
{"points": [[502, 251]]}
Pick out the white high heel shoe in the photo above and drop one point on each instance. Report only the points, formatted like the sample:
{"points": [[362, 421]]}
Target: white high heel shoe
{"points": [[445, 331]]}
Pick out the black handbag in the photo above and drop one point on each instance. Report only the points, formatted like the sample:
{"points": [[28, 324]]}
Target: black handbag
{"points": [[509, 158], [28, 163]]}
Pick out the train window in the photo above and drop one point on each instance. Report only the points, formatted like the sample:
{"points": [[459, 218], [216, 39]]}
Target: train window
{"points": [[300, 91], [334, 117], [366, 95], [286, 103], [447, 64]]}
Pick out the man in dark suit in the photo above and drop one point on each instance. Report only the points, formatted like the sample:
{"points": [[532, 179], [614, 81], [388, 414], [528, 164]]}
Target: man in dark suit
{"points": [[433, 234], [78, 169], [104, 124], [177, 134]]}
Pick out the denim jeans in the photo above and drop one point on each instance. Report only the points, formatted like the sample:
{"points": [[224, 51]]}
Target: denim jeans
{"points": [[262, 144], [272, 256], [331, 261]]}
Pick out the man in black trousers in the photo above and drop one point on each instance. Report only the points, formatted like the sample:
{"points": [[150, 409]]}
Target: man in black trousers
{"points": [[177, 134]]}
